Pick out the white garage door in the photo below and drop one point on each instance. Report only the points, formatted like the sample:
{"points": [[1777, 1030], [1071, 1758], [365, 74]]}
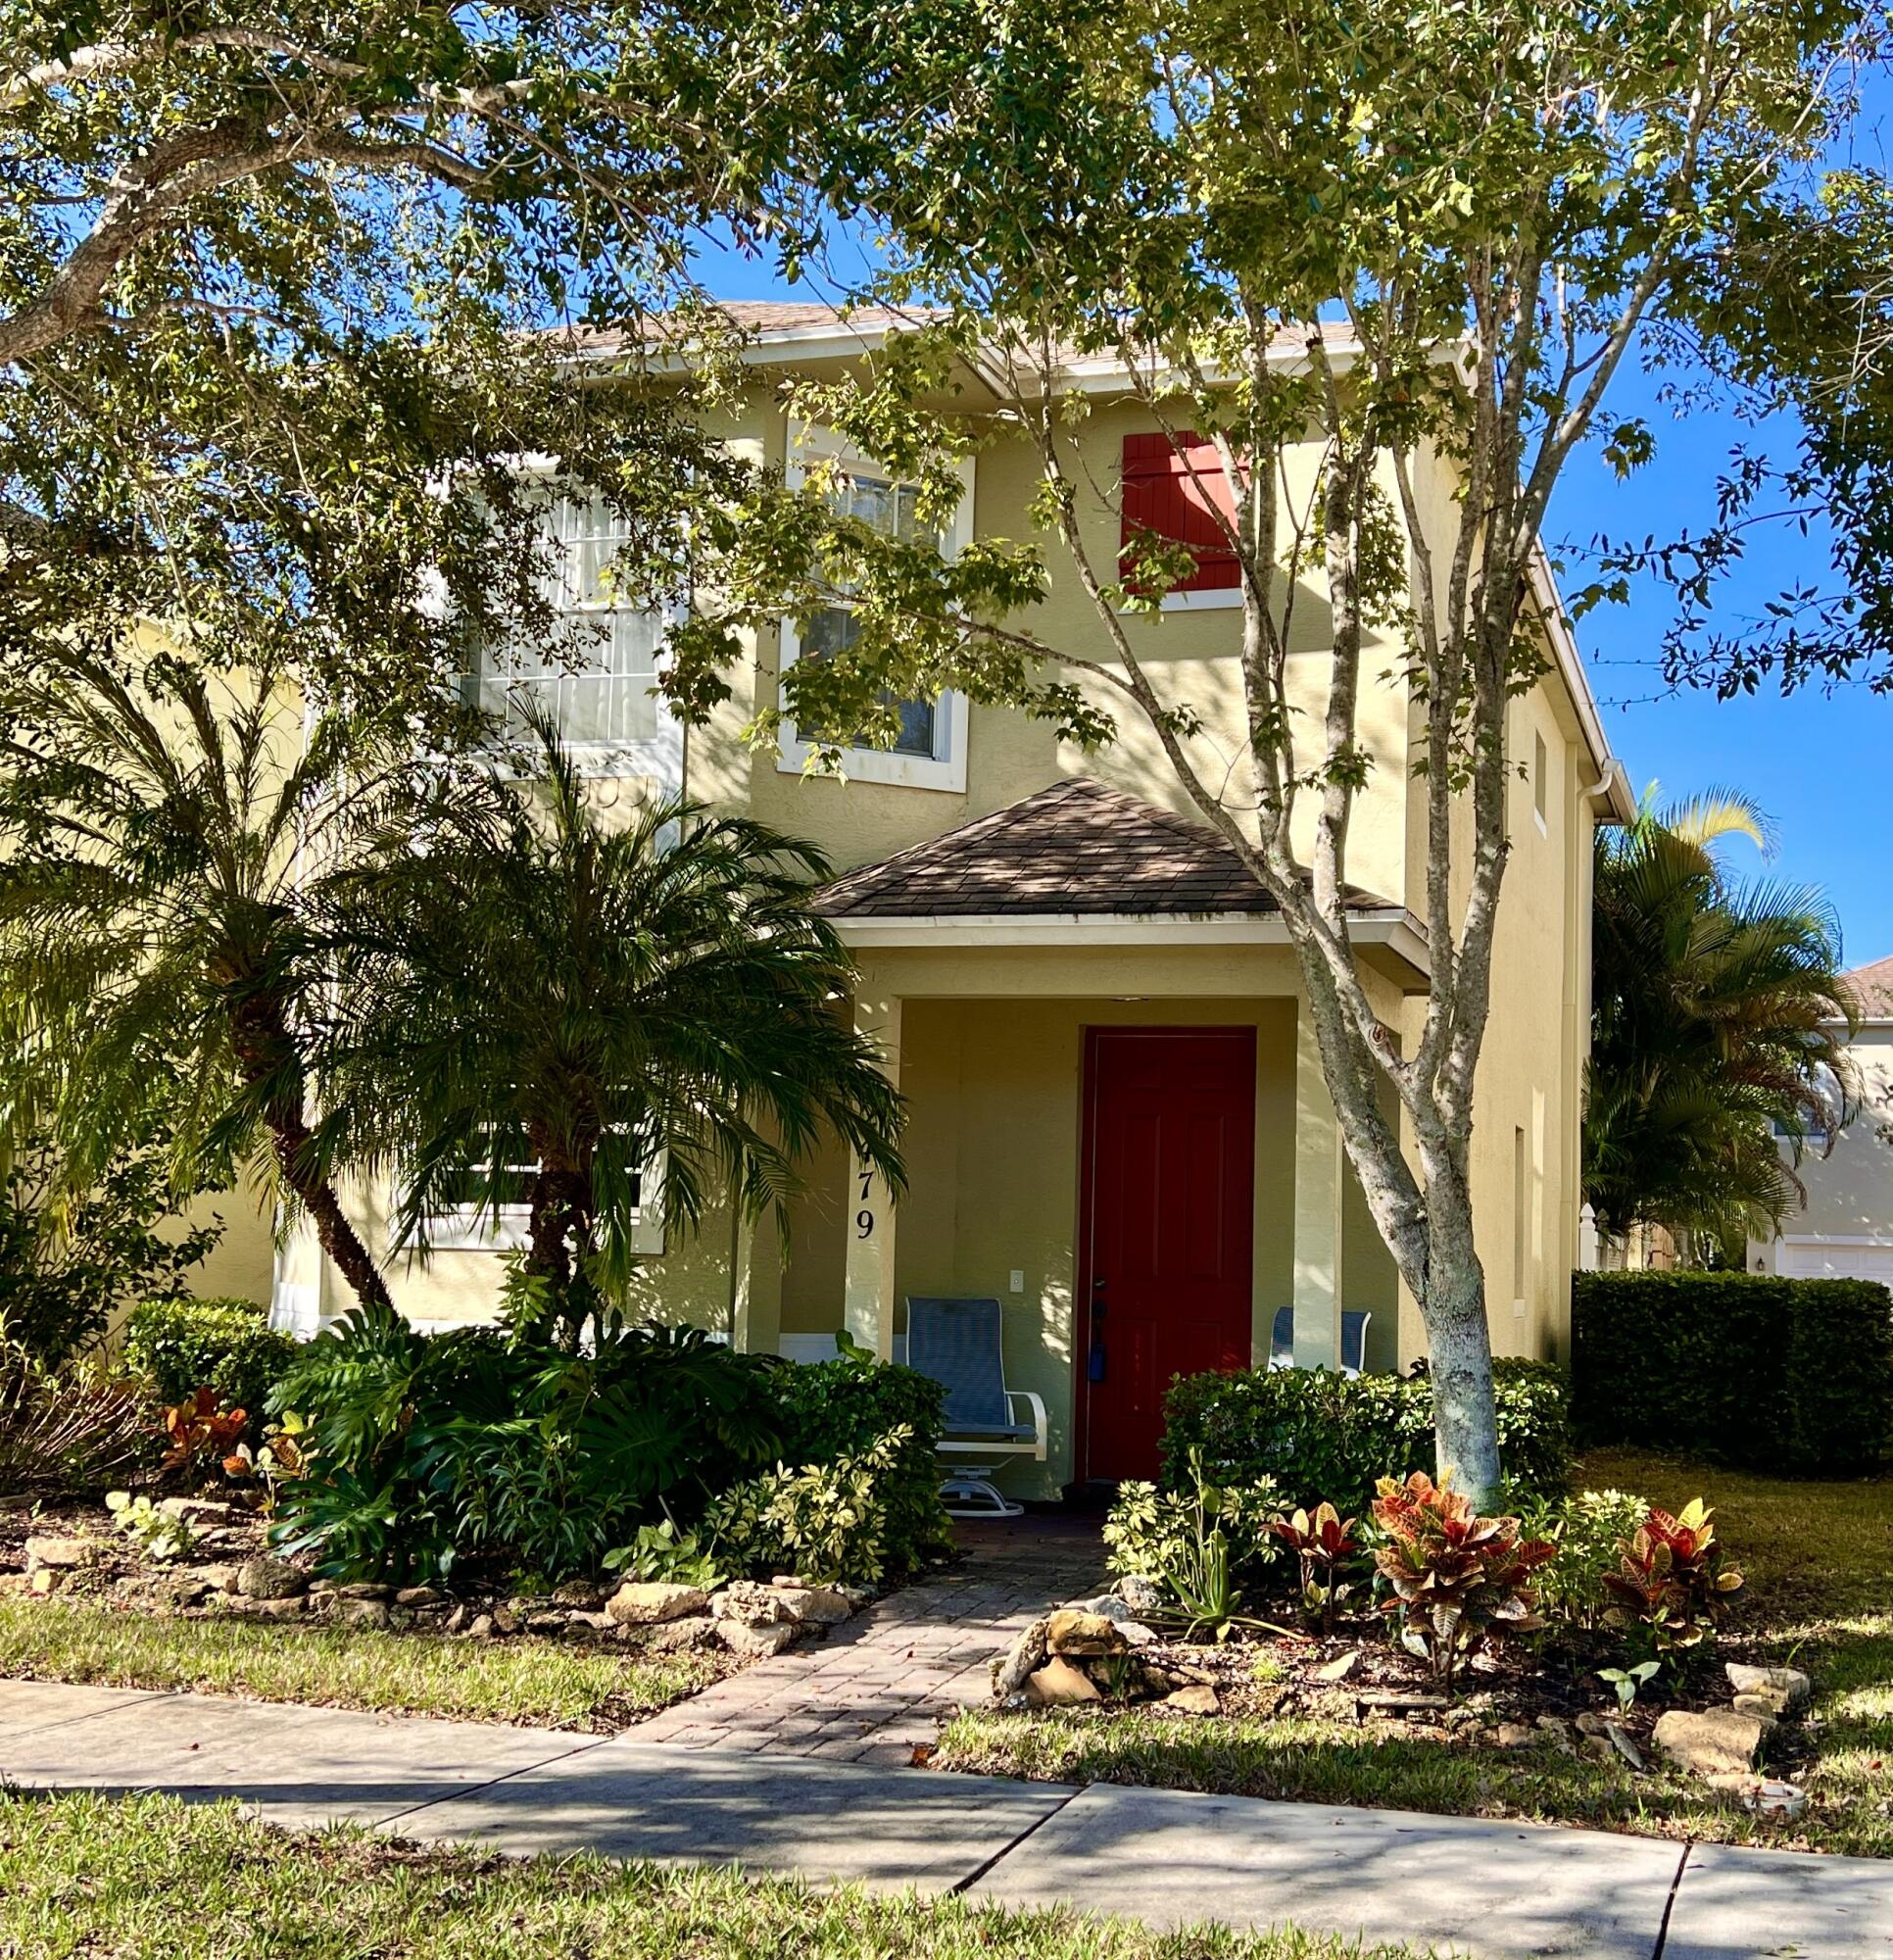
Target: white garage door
{"points": [[1816, 1259]]}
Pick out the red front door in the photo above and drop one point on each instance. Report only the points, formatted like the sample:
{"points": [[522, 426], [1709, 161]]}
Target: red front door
{"points": [[1166, 1229]]}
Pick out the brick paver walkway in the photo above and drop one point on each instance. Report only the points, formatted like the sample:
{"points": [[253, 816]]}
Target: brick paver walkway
{"points": [[876, 1687]]}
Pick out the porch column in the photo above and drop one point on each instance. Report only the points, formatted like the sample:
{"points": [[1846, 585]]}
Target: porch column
{"points": [[1319, 1171], [868, 1303]]}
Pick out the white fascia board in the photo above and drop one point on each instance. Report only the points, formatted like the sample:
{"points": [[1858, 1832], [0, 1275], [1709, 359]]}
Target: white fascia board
{"points": [[1616, 785], [1392, 927]]}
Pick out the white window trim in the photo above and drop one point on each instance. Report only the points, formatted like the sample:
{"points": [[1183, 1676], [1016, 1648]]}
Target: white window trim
{"points": [[946, 769], [1220, 599], [659, 755], [504, 1228]]}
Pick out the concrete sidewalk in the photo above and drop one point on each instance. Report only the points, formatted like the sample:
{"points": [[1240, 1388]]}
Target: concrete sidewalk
{"points": [[1492, 1891]]}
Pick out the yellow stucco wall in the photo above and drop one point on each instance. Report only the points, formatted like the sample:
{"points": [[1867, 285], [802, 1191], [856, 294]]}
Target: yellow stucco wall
{"points": [[991, 1039]]}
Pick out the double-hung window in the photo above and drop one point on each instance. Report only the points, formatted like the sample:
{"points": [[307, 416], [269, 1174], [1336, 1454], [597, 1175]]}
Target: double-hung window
{"points": [[597, 677], [928, 751], [460, 1223]]}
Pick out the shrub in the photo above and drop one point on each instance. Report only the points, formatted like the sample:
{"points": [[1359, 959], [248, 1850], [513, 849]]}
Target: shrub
{"points": [[1589, 1531], [1671, 1587], [828, 1522], [423, 1451], [200, 1435], [70, 1426], [161, 1537], [1783, 1375], [176, 1347], [1455, 1575], [846, 1409], [1323, 1437], [1203, 1547]]}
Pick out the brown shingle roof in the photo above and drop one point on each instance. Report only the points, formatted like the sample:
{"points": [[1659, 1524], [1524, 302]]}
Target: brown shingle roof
{"points": [[1872, 988], [1077, 847]]}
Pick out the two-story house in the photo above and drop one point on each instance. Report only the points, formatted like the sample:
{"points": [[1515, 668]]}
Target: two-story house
{"points": [[1114, 1093]]}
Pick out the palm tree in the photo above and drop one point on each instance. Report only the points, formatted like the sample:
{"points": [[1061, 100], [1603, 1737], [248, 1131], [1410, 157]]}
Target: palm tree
{"points": [[153, 943], [1719, 1027], [540, 1003]]}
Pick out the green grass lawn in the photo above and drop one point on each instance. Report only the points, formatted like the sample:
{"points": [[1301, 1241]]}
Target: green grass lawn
{"points": [[1817, 1558], [154, 1878], [550, 1683]]}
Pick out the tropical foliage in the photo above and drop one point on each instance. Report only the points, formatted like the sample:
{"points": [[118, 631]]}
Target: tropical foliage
{"points": [[1720, 1021], [595, 1015], [1672, 1585], [155, 937]]}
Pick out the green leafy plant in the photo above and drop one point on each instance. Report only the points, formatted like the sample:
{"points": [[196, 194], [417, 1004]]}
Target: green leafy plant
{"points": [[1320, 1435], [1455, 1576], [1671, 1586], [1627, 1679], [1324, 1544], [283, 1456], [826, 1521], [156, 1533], [177, 1346], [1203, 1547], [1588, 1529], [661, 1553]]}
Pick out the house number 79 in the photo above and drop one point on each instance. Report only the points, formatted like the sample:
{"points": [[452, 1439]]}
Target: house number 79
{"points": [[864, 1218]]}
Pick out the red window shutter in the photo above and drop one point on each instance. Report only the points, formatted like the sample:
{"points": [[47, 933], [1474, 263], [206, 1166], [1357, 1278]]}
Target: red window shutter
{"points": [[1167, 489]]}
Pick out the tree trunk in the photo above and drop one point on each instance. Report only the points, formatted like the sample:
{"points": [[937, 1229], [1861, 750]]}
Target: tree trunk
{"points": [[265, 1053], [1459, 1348], [333, 1231]]}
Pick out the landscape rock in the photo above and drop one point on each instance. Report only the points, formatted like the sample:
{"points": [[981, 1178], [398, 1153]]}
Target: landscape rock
{"points": [[641, 1602], [456, 1620], [1716, 1742], [1516, 1735], [61, 1554], [1024, 1657], [179, 1588], [547, 1620], [288, 1607], [1340, 1669], [503, 1620], [581, 1595], [1059, 1684], [197, 1510], [1082, 1635], [754, 1605], [1784, 1691], [363, 1589], [480, 1627], [1198, 1699], [1107, 1606], [1136, 1634], [813, 1605], [694, 1630], [353, 1612], [418, 1596], [594, 1623], [754, 1642], [1590, 1723], [1145, 1597], [219, 1578], [44, 1578], [266, 1577]]}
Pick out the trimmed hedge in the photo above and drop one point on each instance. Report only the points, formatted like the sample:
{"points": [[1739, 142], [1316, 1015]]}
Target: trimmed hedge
{"points": [[176, 1347], [1781, 1375], [1323, 1435]]}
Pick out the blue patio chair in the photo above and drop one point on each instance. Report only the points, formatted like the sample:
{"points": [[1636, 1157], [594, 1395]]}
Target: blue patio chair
{"points": [[960, 1344], [1354, 1340]]}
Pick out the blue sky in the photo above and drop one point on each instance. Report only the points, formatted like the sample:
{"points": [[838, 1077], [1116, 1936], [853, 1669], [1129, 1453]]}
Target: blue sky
{"points": [[1820, 765]]}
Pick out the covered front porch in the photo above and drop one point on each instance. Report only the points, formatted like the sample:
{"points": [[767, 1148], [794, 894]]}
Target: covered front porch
{"points": [[1117, 1128]]}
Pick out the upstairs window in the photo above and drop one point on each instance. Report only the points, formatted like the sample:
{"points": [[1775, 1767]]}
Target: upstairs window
{"points": [[1177, 488], [597, 677], [929, 750]]}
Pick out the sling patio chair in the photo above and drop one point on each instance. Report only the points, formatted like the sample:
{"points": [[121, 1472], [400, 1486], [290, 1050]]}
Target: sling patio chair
{"points": [[960, 1344]]}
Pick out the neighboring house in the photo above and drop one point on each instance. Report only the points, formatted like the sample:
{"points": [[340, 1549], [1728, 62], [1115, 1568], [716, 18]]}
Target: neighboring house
{"points": [[1115, 1098], [1844, 1228]]}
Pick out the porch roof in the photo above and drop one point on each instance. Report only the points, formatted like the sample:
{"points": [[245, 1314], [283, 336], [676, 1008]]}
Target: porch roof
{"points": [[1075, 849]]}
